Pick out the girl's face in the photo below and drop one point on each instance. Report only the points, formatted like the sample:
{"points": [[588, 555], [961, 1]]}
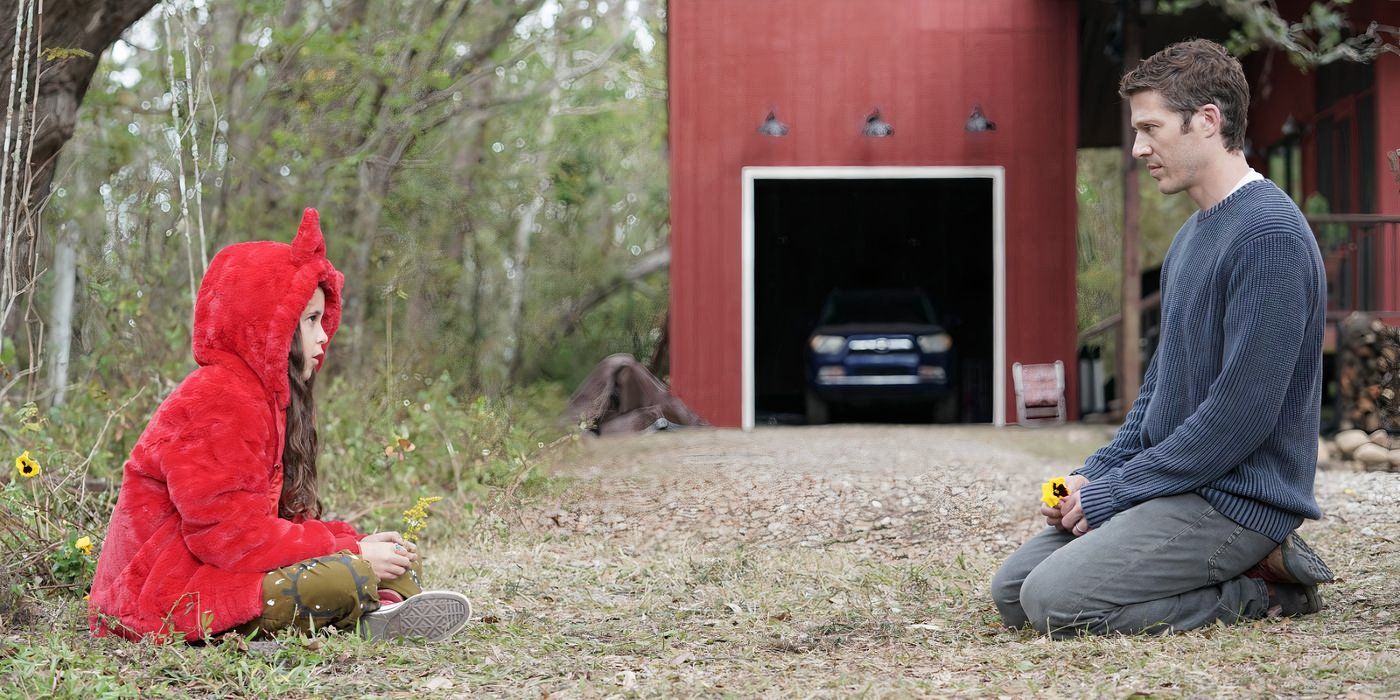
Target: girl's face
{"points": [[313, 336]]}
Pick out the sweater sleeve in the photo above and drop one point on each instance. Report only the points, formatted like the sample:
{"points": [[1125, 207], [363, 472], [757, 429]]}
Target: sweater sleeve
{"points": [[1270, 297], [218, 481], [1127, 443]]}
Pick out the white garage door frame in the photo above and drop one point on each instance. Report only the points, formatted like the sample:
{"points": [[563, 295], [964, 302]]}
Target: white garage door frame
{"points": [[996, 174]]}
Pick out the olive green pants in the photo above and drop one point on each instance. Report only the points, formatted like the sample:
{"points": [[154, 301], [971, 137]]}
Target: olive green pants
{"points": [[331, 591]]}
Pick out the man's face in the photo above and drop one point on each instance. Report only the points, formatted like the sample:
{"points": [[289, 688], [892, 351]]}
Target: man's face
{"points": [[1174, 159]]}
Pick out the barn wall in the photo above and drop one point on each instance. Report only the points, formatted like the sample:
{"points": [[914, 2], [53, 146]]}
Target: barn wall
{"points": [[824, 64]]}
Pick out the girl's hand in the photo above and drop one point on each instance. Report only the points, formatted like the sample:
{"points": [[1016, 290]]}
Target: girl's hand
{"points": [[388, 563], [405, 547]]}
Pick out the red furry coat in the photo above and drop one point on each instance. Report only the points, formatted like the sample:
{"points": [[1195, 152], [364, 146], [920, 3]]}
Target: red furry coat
{"points": [[195, 526]]}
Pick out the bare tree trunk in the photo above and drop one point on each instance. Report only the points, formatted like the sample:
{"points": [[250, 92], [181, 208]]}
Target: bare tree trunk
{"points": [[353, 15], [376, 178], [568, 321], [525, 227], [65, 273], [519, 258], [660, 364], [472, 281], [477, 333], [229, 137], [49, 51], [63, 78], [1129, 336]]}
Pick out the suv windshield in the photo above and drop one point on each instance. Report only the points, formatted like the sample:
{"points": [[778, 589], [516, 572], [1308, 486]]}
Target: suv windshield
{"points": [[901, 307]]}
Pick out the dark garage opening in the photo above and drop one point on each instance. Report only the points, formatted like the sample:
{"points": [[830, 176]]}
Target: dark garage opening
{"points": [[813, 236]]}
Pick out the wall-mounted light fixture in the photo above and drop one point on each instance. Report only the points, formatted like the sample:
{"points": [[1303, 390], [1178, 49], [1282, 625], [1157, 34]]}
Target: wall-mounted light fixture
{"points": [[1290, 127], [876, 127], [772, 127], [979, 122]]}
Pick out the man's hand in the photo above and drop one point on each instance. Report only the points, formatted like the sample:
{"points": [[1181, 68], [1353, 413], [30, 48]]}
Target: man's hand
{"points": [[1060, 515], [1072, 520]]}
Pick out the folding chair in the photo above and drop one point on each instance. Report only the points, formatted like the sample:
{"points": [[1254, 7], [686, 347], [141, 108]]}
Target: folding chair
{"points": [[1040, 393]]}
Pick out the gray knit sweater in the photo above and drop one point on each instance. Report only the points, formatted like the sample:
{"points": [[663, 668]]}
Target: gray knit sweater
{"points": [[1229, 406]]}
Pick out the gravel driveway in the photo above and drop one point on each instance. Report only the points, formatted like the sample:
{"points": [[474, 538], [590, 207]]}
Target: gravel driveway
{"points": [[853, 560], [888, 490]]}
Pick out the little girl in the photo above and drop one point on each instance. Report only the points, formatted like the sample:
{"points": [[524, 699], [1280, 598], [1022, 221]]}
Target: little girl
{"points": [[217, 523]]}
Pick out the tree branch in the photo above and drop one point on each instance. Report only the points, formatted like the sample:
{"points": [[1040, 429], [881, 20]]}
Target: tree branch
{"points": [[494, 38], [1263, 25], [568, 322]]}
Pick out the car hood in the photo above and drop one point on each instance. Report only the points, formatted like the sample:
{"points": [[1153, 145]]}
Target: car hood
{"points": [[849, 329]]}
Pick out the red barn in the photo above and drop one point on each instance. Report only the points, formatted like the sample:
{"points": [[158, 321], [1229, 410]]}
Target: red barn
{"points": [[984, 220], [763, 227]]}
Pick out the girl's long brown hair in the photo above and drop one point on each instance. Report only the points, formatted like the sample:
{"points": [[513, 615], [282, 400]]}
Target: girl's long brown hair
{"points": [[299, 449]]}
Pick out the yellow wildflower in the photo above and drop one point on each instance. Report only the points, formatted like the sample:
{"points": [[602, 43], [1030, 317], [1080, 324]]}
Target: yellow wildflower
{"points": [[27, 466], [416, 518], [1052, 491], [84, 544]]}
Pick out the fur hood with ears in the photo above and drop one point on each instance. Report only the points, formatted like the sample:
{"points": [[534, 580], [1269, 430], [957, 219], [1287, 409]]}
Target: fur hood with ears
{"points": [[252, 298], [196, 527]]}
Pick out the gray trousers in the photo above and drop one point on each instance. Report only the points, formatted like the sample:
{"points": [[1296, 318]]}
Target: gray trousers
{"points": [[1167, 565]]}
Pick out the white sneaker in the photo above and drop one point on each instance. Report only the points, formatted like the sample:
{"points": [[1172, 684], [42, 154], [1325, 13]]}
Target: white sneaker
{"points": [[430, 615]]}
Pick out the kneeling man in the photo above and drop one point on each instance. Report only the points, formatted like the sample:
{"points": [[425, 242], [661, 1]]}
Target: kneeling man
{"points": [[1187, 516]]}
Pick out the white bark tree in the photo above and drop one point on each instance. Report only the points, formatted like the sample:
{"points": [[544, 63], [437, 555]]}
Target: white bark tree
{"points": [[65, 276]]}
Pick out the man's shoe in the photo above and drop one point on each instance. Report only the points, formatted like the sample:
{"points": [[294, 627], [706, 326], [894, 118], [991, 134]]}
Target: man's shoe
{"points": [[1293, 599], [430, 615], [1292, 562]]}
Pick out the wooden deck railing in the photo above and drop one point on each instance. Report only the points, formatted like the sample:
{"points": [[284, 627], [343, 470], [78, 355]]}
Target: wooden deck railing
{"points": [[1361, 253]]}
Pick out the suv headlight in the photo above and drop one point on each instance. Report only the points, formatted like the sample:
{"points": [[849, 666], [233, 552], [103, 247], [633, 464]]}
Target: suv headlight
{"points": [[938, 342], [828, 344]]}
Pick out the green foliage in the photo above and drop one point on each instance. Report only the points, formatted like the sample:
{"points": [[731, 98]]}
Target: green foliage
{"points": [[1100, 242], [41, 528], [60, 54], [71, 565], [1321, 33], [431, 443], [420, 140]]}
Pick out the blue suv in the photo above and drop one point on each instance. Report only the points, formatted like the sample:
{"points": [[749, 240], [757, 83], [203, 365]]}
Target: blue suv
{"points": [[880, 345]]}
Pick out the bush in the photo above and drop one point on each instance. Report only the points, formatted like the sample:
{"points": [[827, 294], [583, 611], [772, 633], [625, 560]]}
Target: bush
{"points": [[377, 459]]}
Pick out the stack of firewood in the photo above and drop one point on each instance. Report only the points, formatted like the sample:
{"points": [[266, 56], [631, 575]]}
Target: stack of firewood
{"points": [[1357, 451], [1368, 374]]}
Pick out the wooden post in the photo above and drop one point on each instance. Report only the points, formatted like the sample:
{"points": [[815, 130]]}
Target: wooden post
{"points": [[1129, 329], [1395, 165]]}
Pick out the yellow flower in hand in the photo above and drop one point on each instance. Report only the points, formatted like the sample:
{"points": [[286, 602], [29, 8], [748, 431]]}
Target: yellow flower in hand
{"points": [[416, 518], [27, 466], [84, 544], [1052, 491]]}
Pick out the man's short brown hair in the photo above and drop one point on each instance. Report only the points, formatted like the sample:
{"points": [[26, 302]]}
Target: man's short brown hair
{"points": [[1191, 74]]}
